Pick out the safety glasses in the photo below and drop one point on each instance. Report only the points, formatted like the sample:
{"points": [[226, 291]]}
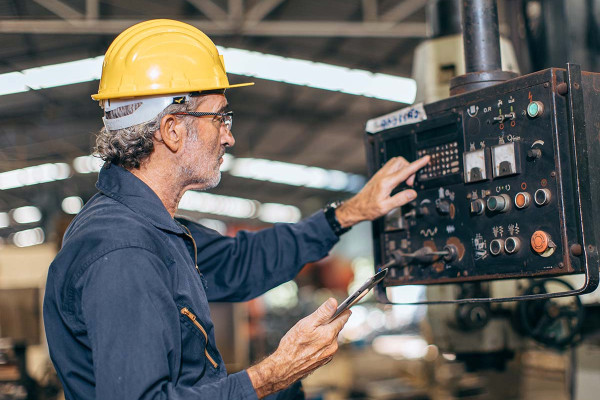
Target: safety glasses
{"points": [[225, 118]]}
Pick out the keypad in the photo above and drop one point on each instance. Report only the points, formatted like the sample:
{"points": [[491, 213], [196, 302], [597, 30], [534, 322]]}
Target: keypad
{"points": [[444, 161]]}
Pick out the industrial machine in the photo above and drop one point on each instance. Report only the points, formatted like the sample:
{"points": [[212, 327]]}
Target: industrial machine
{"points": [[511, 190]]}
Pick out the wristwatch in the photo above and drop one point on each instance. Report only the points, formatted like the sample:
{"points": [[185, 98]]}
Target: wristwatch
{"points": [[329, 211]]}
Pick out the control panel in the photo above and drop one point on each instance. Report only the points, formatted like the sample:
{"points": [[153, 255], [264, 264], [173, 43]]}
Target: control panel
{"points": [[499, 197]]}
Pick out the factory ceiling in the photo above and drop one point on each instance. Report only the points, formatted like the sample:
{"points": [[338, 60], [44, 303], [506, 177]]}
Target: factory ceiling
{"points": [[273, 120]]}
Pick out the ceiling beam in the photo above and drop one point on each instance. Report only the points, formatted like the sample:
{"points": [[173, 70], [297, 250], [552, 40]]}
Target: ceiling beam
{"points": [[92, 9], [369, 10], [59, 8], [403, 10], [259, 11], [236, 10], [226, 28], [210, 9]]}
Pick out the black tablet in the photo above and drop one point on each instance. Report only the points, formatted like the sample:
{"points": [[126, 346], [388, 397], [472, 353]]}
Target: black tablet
{"points": [[360, 293]]}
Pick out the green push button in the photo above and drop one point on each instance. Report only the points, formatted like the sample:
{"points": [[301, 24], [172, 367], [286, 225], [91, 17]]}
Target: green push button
{"points": [[535, 109]]}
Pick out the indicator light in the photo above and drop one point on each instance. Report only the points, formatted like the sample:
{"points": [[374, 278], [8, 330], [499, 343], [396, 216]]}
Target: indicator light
{"points": [[535, 109]]}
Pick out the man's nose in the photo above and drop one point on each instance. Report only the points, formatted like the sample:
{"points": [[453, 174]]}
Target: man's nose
{"points": [[227, 139]]}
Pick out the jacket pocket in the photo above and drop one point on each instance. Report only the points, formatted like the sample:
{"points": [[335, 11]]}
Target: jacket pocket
{"points": [[192, 317]]}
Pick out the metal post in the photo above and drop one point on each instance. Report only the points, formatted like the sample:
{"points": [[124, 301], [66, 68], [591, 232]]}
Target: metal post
{"points": [[481, 40], [481, 35]]}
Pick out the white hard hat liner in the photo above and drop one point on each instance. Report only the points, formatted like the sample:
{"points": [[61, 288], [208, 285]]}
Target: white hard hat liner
{"points": [[149, 108]]}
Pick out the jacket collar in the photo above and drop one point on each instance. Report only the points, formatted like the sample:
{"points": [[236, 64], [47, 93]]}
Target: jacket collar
{"points": [[126, 188]]}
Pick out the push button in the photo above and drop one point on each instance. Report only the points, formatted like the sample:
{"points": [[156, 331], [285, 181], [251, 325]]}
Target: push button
{"points": [[498, 203], [477, 207], [522, 200], [535, 109], [542, 197], [542, 244]]}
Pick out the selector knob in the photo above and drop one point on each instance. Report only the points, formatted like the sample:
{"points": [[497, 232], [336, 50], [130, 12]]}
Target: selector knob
{"points": [[498, 203], [477, 207], [534, 153], [443, 207], [542, 197]]}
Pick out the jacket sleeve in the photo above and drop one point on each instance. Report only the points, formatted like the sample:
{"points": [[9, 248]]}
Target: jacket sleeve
{"points": [[249, 264], [134, 331]]}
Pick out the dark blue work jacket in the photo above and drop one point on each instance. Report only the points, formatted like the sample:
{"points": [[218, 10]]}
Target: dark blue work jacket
{"points": [[126, 305]]}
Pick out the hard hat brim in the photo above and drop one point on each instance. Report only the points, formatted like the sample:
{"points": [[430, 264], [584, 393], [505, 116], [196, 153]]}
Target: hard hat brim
{"points": [[167, 91]]}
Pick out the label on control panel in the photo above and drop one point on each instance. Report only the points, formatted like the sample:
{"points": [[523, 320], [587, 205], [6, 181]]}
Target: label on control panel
{"points": [[409, 115]]}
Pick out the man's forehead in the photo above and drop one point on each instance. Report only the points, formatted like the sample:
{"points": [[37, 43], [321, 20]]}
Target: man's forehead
{"points": [[214, 102]]}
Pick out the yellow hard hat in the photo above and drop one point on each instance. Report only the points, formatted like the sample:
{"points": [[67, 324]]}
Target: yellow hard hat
{"points": [[161, 56]]}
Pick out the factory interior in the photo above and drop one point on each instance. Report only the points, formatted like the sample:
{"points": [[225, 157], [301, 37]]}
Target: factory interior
{"points": [[505, 208]]}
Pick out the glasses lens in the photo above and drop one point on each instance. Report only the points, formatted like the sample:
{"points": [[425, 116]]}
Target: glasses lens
{"points": [[228, 121]]}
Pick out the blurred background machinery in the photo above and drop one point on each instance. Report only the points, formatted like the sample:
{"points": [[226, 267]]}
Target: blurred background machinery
{"points": [[322, 70]]}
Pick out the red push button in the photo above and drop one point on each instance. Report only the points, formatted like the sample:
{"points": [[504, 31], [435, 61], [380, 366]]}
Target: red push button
{"points": [[540, 242]]}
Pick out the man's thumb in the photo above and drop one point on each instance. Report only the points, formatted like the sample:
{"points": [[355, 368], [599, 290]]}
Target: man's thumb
{"points": [[326, 311]]}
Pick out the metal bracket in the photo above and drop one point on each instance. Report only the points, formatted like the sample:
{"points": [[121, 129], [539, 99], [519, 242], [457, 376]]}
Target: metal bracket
{"points": [[580, 166]]}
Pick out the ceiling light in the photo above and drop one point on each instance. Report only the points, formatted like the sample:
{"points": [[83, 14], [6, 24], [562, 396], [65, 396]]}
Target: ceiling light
{"points": [[294, 174], [239, 62], [87, 164], [29, 237], [214, 224], [26, 215], [273, 213], [319, 75], [4, 220], [237, 207], [218, 205], [48, 76], [264, 170], [72, 204], [34, 175]]}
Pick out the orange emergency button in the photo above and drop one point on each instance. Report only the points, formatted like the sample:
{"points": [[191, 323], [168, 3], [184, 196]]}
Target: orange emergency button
{"points": [[541, 243]]}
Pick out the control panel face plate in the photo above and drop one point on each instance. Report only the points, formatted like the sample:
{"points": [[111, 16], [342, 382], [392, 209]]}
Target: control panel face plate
{"points": [[489, 160]]}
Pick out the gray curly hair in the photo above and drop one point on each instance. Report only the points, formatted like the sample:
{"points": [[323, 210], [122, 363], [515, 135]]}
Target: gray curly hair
{"points": [[129, 147]]}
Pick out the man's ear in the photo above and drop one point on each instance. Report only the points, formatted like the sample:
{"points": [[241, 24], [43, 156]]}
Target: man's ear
{"points": [[171, 132]]}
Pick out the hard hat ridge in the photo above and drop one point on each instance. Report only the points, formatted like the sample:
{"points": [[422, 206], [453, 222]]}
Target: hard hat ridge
{"points": [[161, 57]]}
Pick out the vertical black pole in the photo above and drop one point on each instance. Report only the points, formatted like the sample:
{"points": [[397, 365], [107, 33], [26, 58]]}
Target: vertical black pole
{"points": [[481, 40], [481, 35]]}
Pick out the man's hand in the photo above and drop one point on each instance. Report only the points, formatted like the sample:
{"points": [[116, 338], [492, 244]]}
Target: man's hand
{"points": [[374, 199], [311, 343]]}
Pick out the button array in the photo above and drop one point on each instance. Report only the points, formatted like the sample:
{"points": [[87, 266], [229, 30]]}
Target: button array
{"points": [[444, 161]]}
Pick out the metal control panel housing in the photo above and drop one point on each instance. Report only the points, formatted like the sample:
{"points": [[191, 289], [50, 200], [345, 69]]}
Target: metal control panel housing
{"points": [[500, 186]]}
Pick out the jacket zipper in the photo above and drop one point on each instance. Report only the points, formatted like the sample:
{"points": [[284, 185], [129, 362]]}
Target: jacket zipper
{"points": [[193, 318], [189, 234]]}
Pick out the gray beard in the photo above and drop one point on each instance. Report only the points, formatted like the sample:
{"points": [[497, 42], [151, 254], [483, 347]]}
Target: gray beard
{"points": [[190, 177]]}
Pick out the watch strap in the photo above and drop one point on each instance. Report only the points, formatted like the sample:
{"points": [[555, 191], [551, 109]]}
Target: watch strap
{"points": [[332, 219]]}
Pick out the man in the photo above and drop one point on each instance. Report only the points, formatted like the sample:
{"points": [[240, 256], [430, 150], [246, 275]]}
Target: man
{"points": [[126, 306]]}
